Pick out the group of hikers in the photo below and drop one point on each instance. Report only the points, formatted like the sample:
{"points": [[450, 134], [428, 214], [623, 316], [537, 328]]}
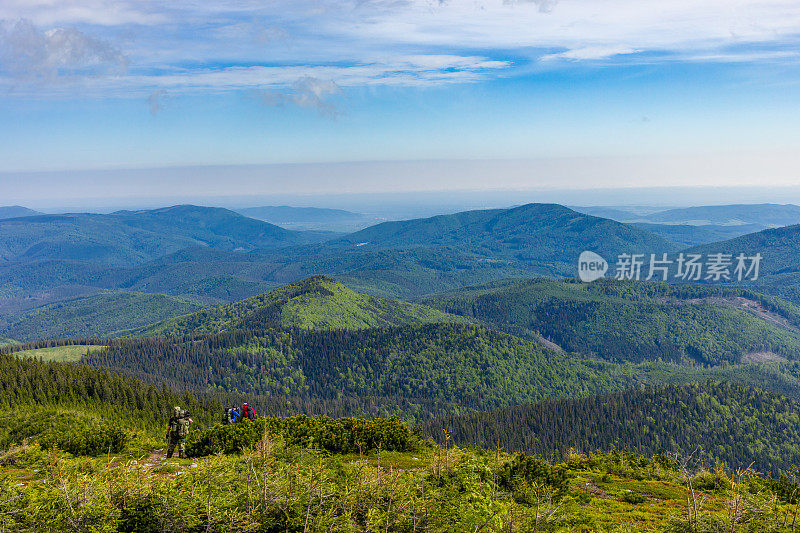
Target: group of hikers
{"points": [[179, 422], [233, 415]]}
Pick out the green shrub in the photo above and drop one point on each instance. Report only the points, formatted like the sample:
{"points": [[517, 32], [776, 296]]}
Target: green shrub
{"points": [[88, 441], [335, 435], [632, 497], [532, 470]]}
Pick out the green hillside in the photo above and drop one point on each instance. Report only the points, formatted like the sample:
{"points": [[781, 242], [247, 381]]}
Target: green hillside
{"points": [[636, 321], [95, 316], [435, 366], [314, 303], [779, 272], [725, 422]]}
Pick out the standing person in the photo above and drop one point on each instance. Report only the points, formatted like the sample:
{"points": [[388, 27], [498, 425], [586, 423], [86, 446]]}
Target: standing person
{"points": [[248, 412], [177, 431]]}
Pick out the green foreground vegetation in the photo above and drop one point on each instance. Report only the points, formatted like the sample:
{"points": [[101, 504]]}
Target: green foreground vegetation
{"points": [[284, 479], [84, 452]]}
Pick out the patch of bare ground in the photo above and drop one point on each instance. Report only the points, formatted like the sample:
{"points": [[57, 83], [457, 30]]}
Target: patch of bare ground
{"points": [[762, 357], [551, 345], [738, 302]]}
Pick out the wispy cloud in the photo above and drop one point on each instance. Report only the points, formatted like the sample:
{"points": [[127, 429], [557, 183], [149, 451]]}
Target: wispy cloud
{"points": [[590, 52]]}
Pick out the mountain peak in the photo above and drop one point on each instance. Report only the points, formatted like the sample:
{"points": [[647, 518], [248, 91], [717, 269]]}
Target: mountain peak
{"points": [[318, 302]]}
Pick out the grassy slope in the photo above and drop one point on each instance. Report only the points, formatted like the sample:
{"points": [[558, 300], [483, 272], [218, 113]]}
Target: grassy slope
{"points": [[61, 354], [314, 303], [96, 316], [631, 321]]}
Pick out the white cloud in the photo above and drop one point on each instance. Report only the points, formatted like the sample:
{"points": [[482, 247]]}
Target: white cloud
{"points": [[31, 54], [305, 92]]}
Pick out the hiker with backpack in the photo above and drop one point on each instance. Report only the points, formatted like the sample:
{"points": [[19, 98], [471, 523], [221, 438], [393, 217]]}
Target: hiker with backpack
{"points": [[248, 412], [231, 415], [177, 431]]}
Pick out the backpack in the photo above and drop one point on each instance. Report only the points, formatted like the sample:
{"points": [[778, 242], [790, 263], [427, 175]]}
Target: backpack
{"points": [[227, 416], [248, 411], [183, 427]]}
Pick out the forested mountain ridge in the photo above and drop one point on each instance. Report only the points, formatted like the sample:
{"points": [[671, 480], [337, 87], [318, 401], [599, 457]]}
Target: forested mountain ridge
{"points": [[219, 256], [101, 315], [726, 422], [453, 366], [635, 321], [530, 230], [779, 271], [318, 302]]}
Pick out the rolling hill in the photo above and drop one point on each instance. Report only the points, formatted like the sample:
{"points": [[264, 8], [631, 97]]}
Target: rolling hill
{"points": [[686, 235], [16, 211], [95, 316], [635, 321], [135, 237], [767, 215], [314, 303]]}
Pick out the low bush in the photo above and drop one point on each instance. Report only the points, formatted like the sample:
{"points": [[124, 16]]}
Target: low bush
{"points": [[88, 441], [335, 435]]}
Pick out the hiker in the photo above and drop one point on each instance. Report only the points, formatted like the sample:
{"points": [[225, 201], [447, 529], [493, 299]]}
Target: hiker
{"points": [[231, 415], [177, 431], [248, 412]]}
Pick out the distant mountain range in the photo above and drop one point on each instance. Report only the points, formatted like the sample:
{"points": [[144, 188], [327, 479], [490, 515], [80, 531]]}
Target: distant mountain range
{"points": [[310, 218], [213, 255]]}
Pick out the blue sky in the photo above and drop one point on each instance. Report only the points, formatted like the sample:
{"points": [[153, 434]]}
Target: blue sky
{"points": [[544, 93]]}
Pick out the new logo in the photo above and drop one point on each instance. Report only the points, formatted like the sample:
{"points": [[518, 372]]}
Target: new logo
{"points": [[591, 267]]}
